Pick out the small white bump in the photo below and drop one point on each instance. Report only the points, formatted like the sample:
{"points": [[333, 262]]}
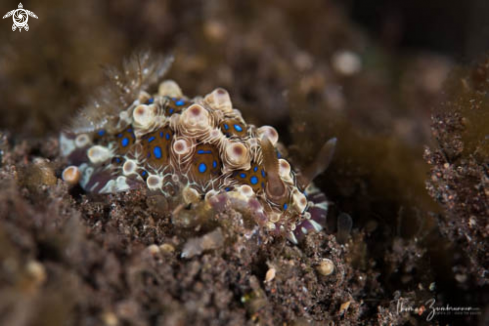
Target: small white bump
{"points": [[144, 115], [82, 140], [284, 171], [299, 200], [195, 117], [181, 147], [219, 99], [170, 88], [71, 175], [274, 216], [246, 191], [98, 154], [190, 195], [237, 154], [270, 132], [211, 193], [154, 182], [129, 167]]}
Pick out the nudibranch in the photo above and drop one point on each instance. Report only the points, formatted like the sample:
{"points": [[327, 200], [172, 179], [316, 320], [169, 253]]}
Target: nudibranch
{"points": [[189, 150]]}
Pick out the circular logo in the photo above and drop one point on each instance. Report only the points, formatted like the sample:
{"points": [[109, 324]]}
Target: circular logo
{"points": [[20, 18]]}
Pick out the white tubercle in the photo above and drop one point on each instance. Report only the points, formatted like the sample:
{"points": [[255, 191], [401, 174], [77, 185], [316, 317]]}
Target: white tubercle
{"points": [[274, 216], [190, 195], [270, 132], [129, 167], [170, 88], [246, 191], [195, 118], [71, 175], [284, 171], [181, 147], [299, 200], [154, 182], [237, 155], [82, 140], [210, 194], [219, 99], [98, 154], [144, 116]]}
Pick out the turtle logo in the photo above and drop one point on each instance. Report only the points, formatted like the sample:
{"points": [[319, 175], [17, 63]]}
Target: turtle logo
{"points": [[20, 17]]}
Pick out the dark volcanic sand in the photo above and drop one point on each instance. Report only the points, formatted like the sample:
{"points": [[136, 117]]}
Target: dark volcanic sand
{"points": [[418, 196]]}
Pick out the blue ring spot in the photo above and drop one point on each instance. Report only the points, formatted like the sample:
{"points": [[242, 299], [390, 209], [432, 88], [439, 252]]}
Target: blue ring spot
{"points": [[119, 135], [214, 164], [171, 111], [167, 136], [255, 169], [125, 142], [202, 167], [263, 185], [143, 173], [151, 100], [227, 188], [263, 173], [161, 134], [226, 126], [238, 128], [129, 130], [101, 132], [117, 160], [157, 151], [285, 206], [201, 151], [150, 139], [180, 102], [254, 180], [242, 175]]}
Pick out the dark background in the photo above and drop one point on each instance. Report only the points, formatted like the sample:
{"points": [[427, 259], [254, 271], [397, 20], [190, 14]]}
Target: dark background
{"points": [[459, 29]]}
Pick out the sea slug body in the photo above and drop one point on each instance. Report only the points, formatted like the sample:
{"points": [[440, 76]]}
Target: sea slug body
{"points": [[189, 150]]}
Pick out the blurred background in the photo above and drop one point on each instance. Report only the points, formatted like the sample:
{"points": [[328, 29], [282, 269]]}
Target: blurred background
{"points": [[48, 72]]}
